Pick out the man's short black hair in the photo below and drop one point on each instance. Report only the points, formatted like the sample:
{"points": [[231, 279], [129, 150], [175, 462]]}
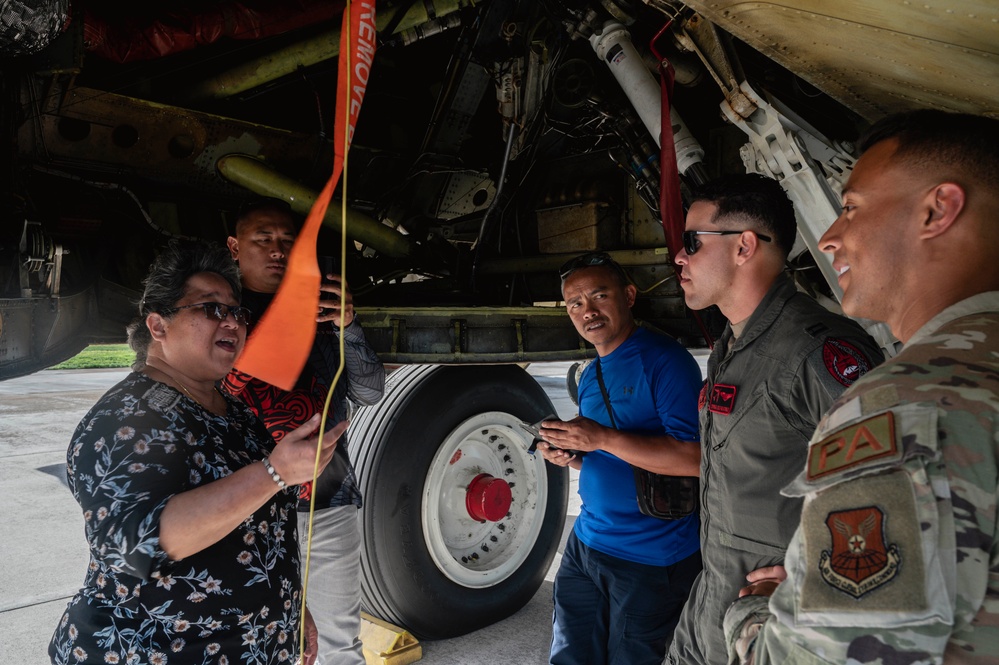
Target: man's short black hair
{"points": [[961, 146], [264, 204], [594, 260], [759, 199]]}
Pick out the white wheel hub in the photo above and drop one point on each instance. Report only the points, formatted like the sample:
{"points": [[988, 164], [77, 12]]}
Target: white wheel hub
{"points": [[468, 551]]}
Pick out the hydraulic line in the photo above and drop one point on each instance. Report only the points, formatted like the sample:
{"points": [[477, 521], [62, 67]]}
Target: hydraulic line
{"points": [[613, 46]]}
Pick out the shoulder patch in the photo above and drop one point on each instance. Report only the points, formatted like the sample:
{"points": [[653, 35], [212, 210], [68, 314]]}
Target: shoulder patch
{"points": [[859, 560], [853, 446], [861, 555], [844, 361]]}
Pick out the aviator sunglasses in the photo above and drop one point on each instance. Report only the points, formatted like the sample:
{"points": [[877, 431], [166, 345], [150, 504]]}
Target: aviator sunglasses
{"points": [[588, 260], [691, 244], [217, 311]]}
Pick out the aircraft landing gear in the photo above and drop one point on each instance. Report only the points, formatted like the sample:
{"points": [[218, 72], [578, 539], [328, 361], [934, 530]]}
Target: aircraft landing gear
{"points": [[460, 522]]}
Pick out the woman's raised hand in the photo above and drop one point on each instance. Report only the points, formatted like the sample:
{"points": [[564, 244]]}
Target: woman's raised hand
{"points": [[294, 457]]}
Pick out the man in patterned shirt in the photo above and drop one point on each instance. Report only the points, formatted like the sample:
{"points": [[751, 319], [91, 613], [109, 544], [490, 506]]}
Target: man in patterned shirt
{"points": [[896, 558], [265, 232]]}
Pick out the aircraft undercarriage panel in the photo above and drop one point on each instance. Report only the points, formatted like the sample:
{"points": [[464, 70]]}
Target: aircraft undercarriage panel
{"points": [[876, 58]]}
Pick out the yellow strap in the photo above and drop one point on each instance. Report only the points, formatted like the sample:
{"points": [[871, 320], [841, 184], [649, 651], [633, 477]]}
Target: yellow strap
{"points": [[345, 52]]}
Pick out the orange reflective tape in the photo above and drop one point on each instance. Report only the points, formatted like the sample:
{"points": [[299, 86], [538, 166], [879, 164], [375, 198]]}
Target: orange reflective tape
{"points": [[279, 346]]}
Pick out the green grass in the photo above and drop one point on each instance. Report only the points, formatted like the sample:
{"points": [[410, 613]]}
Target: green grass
{"points": [[100, 355]]}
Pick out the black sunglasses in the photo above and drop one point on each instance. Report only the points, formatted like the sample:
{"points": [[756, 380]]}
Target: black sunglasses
{"points": [[217, 311], [589, 260], [691, 244]]}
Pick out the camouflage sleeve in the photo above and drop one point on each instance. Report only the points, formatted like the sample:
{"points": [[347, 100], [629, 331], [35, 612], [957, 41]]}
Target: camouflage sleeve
{"points": [[890, 562], [743, 623]]}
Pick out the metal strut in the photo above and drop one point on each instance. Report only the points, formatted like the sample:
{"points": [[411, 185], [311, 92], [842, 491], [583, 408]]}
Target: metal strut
{"points": [[811, 169]]}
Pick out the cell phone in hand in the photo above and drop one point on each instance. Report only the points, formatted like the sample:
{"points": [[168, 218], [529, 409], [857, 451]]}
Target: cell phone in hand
{"points": [[535, 429], [328, 265]]}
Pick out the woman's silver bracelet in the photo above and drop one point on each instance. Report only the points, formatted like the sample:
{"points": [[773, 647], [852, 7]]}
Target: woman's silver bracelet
{"points": [[274, 474]]}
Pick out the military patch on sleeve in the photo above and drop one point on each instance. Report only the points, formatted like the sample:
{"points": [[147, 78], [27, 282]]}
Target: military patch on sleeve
{"points": [[859, 560], [862, 555], [853, 446], [844, 361], [722, 398]]}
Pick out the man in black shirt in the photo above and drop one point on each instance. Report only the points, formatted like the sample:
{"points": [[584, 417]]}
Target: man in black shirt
{"points": [[265, 232]]}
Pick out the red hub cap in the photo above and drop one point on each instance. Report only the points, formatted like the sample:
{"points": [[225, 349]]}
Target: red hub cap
{"points": [[488, 499]]}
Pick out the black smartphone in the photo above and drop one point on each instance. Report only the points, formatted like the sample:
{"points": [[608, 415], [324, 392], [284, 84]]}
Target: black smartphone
{"points": [[533, 430], [328, 265]]}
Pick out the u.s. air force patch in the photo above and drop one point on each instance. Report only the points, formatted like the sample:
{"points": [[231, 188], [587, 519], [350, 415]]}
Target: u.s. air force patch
{"points": [[859, 560], [863, 549]]}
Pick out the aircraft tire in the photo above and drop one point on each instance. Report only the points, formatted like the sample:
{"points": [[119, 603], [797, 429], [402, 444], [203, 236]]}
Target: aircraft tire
{"points": [[426, 563]]}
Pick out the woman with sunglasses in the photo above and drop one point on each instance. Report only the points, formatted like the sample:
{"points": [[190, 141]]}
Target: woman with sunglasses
{"points": [[189, 507]]}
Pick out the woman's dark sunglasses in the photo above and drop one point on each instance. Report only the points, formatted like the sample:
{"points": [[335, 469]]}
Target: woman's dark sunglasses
{"points": [[218, 311], [691, 244]]}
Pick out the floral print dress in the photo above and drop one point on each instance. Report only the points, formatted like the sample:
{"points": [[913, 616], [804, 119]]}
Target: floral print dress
{"points": [[236, 601]]}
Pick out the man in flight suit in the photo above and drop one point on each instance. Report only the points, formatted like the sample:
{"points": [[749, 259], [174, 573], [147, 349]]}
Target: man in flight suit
{"points": [[779, 364], [896, 559]]}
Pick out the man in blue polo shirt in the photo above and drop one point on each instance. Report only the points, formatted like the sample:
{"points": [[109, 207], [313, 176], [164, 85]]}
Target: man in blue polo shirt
{"points": [[624, 575]]}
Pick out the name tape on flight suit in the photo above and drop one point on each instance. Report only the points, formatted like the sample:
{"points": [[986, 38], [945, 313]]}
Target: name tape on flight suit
{"points": [[722, 398]]}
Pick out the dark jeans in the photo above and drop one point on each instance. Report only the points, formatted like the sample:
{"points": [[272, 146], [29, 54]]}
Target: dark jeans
{"points": [[609, 611]]}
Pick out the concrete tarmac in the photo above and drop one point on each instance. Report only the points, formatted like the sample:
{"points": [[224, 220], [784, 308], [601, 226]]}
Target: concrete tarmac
{"points": [[43, 553]]}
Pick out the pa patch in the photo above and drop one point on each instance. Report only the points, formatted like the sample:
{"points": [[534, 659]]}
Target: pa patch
{"points": [[722, 398], [852, 446], [844, 361], [859, 560], [702, 398]]}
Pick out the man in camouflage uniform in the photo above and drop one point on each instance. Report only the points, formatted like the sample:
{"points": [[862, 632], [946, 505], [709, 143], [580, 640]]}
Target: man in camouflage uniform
{"points": [[778, 366], [896, 559]]}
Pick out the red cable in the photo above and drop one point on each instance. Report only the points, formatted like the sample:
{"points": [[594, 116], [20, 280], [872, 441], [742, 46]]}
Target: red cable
{"points": [[670, 203]]}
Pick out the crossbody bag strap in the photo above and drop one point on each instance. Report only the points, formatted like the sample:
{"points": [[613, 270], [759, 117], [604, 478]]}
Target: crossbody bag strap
{"points": [[660, 496], [603, 391]]}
